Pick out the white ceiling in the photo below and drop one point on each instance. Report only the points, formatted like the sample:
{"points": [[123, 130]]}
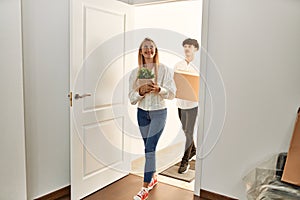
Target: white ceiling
{"points": [[136, 2]]}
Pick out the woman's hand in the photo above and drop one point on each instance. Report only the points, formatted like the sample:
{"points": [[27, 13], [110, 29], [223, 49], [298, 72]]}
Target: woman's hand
{"points": [[155, 88], [144, 89]]}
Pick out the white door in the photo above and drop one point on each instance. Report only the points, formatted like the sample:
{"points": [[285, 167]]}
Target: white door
{"points": [[97, 121]]}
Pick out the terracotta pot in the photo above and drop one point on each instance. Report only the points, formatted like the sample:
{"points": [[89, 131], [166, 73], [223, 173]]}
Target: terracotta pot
{"points": [[145, 81], [141, 82]]}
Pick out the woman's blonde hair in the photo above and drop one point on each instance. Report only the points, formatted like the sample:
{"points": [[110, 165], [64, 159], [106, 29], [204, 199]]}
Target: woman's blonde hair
{"points": [[141, 59]]}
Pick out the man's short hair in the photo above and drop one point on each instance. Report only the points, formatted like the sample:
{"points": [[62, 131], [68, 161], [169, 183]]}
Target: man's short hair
{"points": [[191, 41]]}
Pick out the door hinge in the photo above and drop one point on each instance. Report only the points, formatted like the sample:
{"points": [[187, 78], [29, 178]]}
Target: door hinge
{"points": [[70, 98]]}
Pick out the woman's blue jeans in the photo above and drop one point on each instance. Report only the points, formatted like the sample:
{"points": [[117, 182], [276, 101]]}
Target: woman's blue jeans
{"points": [[151, 125]]}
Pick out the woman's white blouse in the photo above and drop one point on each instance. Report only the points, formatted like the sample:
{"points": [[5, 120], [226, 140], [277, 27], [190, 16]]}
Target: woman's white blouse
{"points": [[153, 101]]}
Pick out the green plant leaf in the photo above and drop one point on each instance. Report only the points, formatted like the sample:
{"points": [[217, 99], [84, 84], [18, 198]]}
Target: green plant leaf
{"points": [[145, 73]]}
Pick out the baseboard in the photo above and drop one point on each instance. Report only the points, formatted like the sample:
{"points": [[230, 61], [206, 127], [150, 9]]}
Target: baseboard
{"points": [[56, 194], [204, 194], [197, 198], [213, 196]]}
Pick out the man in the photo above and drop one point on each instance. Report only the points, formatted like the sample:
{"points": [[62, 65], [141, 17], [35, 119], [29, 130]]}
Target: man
{"points": [[187, 110]]}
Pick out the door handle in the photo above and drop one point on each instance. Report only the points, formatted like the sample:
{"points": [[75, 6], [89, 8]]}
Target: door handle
{"points": [[77, 96]]}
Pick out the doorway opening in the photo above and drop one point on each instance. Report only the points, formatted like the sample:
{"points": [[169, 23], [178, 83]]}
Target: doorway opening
{"points": [[183, 17]]}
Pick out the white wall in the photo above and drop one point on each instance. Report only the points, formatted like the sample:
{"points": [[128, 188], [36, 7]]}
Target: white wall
{"points": [[256, 46], [46, 76], [12, 145]]}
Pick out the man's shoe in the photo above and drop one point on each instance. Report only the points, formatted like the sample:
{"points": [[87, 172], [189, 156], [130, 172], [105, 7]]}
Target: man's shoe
{"points": [[192, 154], [184, 167]]}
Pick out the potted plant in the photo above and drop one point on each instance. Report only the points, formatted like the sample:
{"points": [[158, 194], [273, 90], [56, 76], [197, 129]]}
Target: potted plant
{"points": [[145, 77]]}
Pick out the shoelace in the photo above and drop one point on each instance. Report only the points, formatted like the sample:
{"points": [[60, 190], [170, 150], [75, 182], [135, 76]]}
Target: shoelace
{"points": [[142, 192], [152, 181]]}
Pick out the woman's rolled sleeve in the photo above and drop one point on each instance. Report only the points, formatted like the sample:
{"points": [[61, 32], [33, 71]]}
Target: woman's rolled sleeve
{"points": [[134, 97], [133, 94]]}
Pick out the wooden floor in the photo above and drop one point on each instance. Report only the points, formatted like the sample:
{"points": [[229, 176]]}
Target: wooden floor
{"points": [[127, 187]]}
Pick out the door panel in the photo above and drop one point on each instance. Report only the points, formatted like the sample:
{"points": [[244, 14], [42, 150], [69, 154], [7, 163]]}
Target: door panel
{"points": [[97, 137]]}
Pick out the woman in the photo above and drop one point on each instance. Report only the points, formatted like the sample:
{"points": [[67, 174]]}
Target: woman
{"points": [[152, 111]]}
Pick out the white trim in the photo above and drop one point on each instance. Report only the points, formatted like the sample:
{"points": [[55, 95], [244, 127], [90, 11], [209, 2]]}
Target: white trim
{"points": [[153, 2], [202, 94]]}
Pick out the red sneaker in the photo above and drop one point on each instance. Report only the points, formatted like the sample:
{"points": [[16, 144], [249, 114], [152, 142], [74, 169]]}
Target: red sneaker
{"points": [[152, 183], [142, 195]]}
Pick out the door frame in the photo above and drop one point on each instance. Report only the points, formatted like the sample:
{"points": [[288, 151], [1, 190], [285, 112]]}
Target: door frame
{"points": [[202, 97], [202, 93]]}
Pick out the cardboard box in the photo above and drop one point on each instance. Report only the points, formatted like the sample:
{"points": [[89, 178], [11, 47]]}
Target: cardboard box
{"points": [[187, 85], [291, 172]]}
